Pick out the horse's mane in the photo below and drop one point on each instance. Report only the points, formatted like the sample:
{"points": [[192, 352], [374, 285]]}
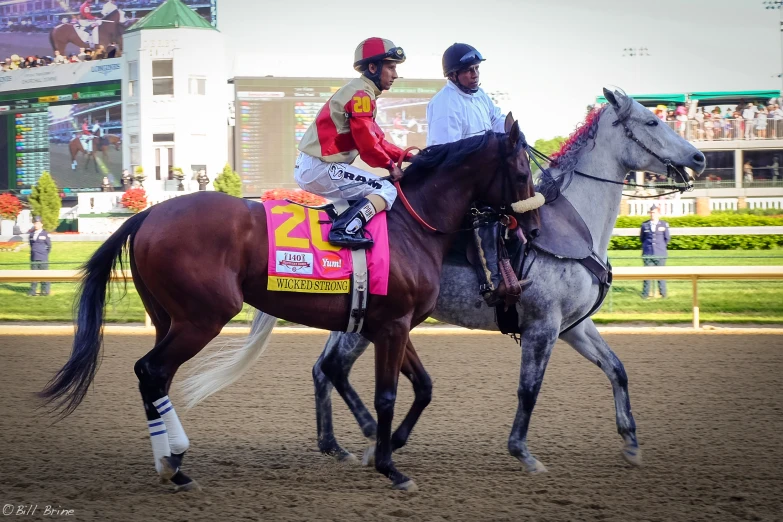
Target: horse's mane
{"points": [[447, 155], [566, 157]]}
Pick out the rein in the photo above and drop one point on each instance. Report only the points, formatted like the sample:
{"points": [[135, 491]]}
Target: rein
{"points": [[405, 202]]}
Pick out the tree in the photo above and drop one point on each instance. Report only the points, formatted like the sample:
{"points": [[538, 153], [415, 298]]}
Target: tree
{"points": [[547, 147], [10, 206], [45, 201], [229, 182]]}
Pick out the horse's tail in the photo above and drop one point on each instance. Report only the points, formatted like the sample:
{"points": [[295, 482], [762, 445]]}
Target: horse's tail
{"points": [[218, 370], [69, 386]]}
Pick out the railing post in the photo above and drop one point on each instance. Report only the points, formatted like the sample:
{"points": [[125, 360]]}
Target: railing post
{"points": [[695, 281]]}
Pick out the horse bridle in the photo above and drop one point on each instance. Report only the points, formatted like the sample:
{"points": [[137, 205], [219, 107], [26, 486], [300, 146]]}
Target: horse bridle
{"points": [[502, 170], [671, 167]]}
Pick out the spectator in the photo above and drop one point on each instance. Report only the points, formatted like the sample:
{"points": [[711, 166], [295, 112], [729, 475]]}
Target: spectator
{"points": [[59, 58], [655, 239], [775, 167], [73, 58], [111, 51], [747, 170], [709, 127], [40, 246], [100, 53], [749, 115], [126, 179], [82, 54], [106, 185], [761, 123]]}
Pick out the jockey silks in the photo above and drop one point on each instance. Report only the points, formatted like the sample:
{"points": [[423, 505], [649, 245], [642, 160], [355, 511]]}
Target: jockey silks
{"points": [[345, 128]]}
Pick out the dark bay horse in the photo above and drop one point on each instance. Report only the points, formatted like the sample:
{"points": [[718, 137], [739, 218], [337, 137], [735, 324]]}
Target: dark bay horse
{"points": [[98, 145], [191, 288]]}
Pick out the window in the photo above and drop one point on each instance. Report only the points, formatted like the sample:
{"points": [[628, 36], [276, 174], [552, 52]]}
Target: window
{"points": [[197, 86], [133, 78], [159, 138], [162, 77], [134, 139], [135, 159]]}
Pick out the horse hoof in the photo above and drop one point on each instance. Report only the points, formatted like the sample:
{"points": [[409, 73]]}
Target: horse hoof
{"points": [[533, 466], [368, 459], [409, 486], [346, 457], [168, 468], [188, 487], [632, 455]]}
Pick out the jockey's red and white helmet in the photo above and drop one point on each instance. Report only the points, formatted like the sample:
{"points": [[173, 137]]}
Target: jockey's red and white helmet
{"points": [[375, 50]]}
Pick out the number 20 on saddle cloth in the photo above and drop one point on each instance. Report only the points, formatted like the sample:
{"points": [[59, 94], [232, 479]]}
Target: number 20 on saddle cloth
{"points": [[302, 260]]}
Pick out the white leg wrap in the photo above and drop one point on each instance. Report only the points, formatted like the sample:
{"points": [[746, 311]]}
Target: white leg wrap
{"points": [[160, 441], [178, 441]]}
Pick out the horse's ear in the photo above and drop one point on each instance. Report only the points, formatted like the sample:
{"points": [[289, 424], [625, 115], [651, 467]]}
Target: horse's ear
{"points": [[509, 122], [513, 135], [610, 97], [621, 103]]}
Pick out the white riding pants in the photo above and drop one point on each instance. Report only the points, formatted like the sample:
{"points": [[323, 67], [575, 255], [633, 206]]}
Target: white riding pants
{"points": [[325, 179]]}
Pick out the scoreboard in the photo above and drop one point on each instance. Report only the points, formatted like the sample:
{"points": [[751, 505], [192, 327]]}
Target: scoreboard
{"points": [[32, 146], [272, 115]]}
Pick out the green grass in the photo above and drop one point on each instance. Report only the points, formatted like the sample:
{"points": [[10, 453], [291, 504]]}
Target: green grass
{"points": [[758, 302]]}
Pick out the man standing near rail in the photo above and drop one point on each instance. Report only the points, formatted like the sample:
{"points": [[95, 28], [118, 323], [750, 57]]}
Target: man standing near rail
{"points": [[655, 240], [40, 246]]}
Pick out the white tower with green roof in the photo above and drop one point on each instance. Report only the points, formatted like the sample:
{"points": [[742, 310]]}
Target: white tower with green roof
{"points": [[174, 96]]}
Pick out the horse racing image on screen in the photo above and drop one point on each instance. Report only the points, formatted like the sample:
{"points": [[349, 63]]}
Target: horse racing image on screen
{"points": [[39, 27], [85, 144]]}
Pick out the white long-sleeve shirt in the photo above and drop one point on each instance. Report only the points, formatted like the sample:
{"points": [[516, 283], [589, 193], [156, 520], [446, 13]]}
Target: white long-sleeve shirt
{"points": [[454, 115]]}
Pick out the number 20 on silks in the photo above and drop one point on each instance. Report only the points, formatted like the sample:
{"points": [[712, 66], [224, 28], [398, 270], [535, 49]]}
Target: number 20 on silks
{"points": [[362, 104], [282, 231]]}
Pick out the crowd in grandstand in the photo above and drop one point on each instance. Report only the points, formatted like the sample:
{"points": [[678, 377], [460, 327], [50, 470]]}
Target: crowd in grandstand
{"points": [[746, 121], [84, 55]]}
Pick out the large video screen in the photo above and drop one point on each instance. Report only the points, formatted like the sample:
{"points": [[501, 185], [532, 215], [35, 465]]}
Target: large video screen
{"points": [[75, 136], [272, 115], [38, 27]]}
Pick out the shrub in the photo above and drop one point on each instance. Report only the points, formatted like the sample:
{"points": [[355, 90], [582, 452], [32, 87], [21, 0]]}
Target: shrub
{"points": [[10, 206], [135, 199], [228, 182], [297, 196], [45, 201]]}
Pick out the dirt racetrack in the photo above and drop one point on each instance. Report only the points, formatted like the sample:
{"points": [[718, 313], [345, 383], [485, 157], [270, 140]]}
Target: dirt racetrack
{"points": [[708, 409]]}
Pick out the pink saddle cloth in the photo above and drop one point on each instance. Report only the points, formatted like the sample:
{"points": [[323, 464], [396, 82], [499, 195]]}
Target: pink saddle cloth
{"points": [[302, 260]]}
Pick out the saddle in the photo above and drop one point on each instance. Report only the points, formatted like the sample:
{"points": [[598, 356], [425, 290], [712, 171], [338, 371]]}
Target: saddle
{"points": [[359, 277], [562, 233]]}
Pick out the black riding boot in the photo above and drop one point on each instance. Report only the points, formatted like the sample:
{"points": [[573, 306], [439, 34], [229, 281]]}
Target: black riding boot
{"points": [[339, 235], [486, 238]]}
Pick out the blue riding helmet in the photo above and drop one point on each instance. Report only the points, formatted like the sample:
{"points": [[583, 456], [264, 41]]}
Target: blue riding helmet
{"points": [[460, 56]]}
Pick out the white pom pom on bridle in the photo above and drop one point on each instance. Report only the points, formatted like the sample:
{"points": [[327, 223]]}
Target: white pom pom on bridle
{"points": [[520, 207]]}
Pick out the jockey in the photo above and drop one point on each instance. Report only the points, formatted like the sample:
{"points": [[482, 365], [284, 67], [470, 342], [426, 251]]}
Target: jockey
{"points": [[345, 128], [86, 137], [85, 10], [87, 20], [460, 110]]}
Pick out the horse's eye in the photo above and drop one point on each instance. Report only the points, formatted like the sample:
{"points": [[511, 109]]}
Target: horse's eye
{"points": [[652, 123]]}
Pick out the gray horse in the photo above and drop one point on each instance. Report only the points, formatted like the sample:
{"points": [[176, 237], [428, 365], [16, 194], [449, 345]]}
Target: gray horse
{"points": [[589, 172]]}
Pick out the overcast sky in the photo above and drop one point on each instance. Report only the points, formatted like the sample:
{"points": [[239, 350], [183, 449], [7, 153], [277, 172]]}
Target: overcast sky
{"points": [[552, 56]]}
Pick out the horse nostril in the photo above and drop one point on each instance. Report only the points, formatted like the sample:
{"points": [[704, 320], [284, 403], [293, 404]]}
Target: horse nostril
{"points": [[698, 157]]}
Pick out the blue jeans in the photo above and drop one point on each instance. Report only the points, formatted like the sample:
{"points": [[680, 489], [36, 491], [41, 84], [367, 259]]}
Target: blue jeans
{"points": [[653, 261], [40, 265]]}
